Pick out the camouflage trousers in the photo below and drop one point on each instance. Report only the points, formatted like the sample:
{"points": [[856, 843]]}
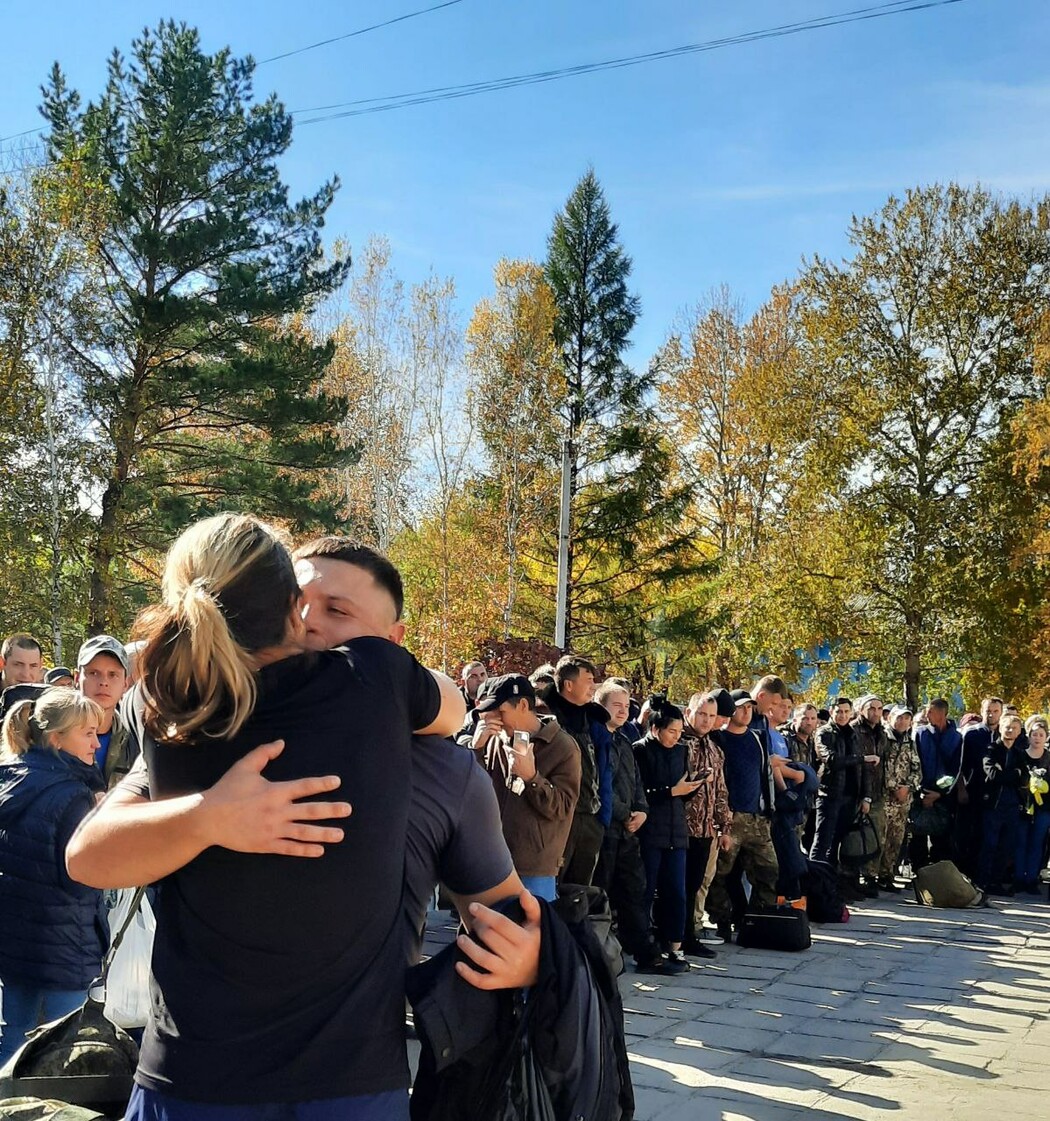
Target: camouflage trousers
{"points": [[751, 846], [890, 819]]}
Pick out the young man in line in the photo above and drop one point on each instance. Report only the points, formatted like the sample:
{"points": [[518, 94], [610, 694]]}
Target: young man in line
{"points": [[102, 676]]}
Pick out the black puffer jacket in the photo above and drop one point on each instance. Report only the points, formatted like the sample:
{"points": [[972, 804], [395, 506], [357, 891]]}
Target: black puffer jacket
{"points": [[661, 768]]}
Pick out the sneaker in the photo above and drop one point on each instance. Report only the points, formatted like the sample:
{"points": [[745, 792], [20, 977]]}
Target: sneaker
{"points": [[725, 931], [709, 935], [695, 948], [665, 965], [869, 888], [677, 958], [890, 886]]}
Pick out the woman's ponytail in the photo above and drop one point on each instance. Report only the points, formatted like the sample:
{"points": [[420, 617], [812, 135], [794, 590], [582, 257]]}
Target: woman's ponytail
{"points": [[229, 588], [19, 733]]}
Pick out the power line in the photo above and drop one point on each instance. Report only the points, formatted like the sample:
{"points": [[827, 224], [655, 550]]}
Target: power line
{"points": [[360, 31], [302, 50], [363, 106]]}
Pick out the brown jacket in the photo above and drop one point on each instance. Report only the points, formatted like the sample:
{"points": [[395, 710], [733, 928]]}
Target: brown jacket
{"points": [[536, 822]]}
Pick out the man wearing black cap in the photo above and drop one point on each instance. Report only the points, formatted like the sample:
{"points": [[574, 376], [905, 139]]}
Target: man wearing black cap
{"points": [[535, 769], [749, 782]]}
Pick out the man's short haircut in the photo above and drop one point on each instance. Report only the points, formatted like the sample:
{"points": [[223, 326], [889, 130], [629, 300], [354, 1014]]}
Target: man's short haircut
{"points": [[802, 709], [824, 714], [939, 703], [465, 671], [842, 701], [698, 699], [986, 701], [622, 683], [770, 684], [544, 673], [568, 669], [20, 642], [610, 685], [351, 551]]}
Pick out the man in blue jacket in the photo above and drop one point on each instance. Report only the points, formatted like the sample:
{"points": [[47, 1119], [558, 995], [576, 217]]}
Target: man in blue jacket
{"points": [[939, 745]]}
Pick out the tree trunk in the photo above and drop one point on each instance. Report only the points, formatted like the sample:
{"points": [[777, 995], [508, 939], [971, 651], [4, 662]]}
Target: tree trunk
{"points": [[103, 553], [912, 662]]}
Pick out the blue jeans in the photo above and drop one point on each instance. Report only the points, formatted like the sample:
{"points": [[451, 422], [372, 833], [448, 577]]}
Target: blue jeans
{"points": [[27, 1006], [543, 887], [1031, 843], [150, 1105]]}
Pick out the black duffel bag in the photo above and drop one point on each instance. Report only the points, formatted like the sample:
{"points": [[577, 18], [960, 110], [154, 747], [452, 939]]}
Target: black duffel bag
{"points": [[775, 928], [930, 821], [860, 845]]}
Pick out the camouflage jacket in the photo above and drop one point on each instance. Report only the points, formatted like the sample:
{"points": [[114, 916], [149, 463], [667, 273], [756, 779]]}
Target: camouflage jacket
{"points": [[900, 764]]}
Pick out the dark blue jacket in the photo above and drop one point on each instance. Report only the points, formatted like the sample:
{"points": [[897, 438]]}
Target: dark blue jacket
{"points": [[975, 742], [53, 932], [940, 753]]}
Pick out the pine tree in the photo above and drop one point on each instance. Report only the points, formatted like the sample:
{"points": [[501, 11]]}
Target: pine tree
{"points": [[625, 542], [201, 391]]}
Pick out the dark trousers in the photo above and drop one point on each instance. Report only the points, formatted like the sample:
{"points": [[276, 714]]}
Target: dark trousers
{"points": [[665, 872], [967, 835], [621, 875], [696, 858], [835, 814], [1031, 848], [924, 849], [998, 844], [581, 850], [792, 863]]}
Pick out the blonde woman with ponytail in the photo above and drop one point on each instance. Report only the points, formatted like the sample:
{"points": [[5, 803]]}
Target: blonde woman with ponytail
{"points": [[276, 981], [52, 933]]}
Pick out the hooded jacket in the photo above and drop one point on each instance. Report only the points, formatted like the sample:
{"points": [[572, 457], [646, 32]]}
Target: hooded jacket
{"points": [[53, 931], [940, 754]]}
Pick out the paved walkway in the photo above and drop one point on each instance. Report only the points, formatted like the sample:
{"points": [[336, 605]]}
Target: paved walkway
{"points": [[903, 1011]]}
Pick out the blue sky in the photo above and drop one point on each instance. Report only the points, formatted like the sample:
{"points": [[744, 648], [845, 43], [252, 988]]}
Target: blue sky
{"points": [[723, 167]]}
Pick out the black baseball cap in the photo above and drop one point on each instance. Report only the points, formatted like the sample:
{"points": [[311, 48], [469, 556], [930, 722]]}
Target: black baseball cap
{"points": [[741, 697], [508, 687], [723, 701]]}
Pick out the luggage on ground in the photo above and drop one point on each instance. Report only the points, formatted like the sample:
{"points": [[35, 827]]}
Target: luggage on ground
{"points": [[824, 899], [943, 885], [775, 928]]}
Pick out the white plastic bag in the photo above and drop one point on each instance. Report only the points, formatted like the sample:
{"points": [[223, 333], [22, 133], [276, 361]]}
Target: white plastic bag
{"points": [[127, 985]]}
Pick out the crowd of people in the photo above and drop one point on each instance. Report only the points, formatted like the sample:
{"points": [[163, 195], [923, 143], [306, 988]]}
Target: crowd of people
{"points": [[686, 815], [217, 754]]}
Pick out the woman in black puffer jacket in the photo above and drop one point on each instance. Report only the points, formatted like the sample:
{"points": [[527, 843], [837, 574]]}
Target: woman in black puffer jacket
{"points": [[664, 837], [53, 932]]}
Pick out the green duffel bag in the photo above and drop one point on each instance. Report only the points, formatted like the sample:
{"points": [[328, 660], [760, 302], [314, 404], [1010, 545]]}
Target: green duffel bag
{"points": [[943, 885]]}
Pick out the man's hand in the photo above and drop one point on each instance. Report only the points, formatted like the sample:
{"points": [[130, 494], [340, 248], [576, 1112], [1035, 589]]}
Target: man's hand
{"points": [[903, 793], [509, 953], [247, 813], [635, 821], [684, 787], [523, 760], [872, 759], [865, 807], [929, 797], [725, 842], [487, 728]]}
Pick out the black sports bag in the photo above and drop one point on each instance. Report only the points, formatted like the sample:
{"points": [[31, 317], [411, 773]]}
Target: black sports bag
{"points": [[775, 928]]}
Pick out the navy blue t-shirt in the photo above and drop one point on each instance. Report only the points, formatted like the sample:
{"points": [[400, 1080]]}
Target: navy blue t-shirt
{"points": [[744, 768], [271, 978]]}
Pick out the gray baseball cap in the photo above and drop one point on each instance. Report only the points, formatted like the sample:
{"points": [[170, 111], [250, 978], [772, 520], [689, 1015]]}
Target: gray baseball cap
{"points": [[103, 644]]}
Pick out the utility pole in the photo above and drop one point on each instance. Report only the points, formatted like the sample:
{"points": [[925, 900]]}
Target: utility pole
{"points": [[564, 530]]}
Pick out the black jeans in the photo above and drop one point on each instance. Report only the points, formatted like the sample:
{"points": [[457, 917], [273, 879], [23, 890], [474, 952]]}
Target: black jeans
{"points": [[695, 866], [621, 875], [835, 814], [581, 850]]}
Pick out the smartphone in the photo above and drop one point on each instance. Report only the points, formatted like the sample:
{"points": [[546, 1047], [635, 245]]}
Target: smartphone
{"points": [[520, 742]]}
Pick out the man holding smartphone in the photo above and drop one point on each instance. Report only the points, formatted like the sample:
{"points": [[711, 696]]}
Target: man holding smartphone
{"points": [[535, 768]]}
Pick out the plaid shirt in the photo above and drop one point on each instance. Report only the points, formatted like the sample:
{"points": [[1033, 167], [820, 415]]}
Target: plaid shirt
{"points": [[707, 813]]}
